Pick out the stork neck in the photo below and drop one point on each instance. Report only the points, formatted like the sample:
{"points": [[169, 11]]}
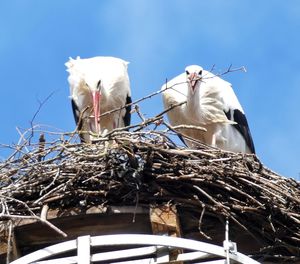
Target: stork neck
{"points": [[193, 101]]}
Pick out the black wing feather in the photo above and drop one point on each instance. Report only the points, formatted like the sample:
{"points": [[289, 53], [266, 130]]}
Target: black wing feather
{"points": [[127, 116], [76, 113], [181, 138], [242, 126]]}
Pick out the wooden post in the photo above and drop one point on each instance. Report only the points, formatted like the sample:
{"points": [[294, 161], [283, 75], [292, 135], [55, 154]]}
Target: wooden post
{"points": [[165, 221], [15, 252]]}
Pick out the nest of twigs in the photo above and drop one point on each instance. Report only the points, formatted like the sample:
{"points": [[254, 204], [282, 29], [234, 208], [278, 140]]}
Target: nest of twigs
{"points": [[144, 167]]}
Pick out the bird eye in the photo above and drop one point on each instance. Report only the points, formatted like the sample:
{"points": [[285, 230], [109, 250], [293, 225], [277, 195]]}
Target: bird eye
{"points": [[99, 85], [187, 72], [200, 72]]}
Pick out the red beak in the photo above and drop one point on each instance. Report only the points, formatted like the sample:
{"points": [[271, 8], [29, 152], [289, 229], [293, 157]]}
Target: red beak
{"points": [[96, 106], [193, 79]]}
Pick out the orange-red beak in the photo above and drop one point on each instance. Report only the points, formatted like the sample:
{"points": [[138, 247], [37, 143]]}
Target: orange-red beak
{"points": [[193, 78], [96, 106]]}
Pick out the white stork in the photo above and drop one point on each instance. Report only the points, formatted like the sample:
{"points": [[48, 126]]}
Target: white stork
{"points": [[210, 103], [98, 85]]}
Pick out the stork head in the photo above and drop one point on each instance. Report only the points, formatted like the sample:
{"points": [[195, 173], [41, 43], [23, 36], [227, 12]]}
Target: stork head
{"points": [[193, 76]]}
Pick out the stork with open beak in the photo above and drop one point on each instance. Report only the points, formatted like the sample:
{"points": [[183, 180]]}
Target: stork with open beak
{"points": [[99, 85], [210, 103]]}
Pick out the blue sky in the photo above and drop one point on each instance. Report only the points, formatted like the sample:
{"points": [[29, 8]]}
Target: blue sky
{"points": [[159, 38]]}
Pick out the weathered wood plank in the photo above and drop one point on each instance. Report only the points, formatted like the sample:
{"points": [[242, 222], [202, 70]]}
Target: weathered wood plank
{"points": [[164, 220], [79, 225]]}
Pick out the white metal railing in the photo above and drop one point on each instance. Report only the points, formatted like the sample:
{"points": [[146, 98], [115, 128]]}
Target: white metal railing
{"points": [[146, 249]]}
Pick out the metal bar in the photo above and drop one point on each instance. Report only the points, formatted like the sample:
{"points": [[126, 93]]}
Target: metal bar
{"points": [[126, 253], [227, 241], [139, 261], [168, 241], [67, 260], [221, 261], [84, 249], [193, 256], [152, 241]]}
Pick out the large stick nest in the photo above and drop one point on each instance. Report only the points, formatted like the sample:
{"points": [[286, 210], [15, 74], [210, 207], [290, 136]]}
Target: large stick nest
{"points": [[146, 167]]}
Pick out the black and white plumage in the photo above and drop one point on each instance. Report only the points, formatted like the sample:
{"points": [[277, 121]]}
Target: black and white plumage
{"points": [[211, 104], [98, 85]]}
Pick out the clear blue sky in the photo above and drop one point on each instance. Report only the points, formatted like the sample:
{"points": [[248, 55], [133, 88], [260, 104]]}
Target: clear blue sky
{"points": [[159, 38]]}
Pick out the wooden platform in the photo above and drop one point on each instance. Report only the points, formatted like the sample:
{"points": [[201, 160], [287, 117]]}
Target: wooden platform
{"points": [[168, 220]]}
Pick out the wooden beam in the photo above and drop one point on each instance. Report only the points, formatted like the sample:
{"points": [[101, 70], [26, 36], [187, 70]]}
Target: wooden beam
{"points": [[79, 225], [15, 249], [165, 221]]}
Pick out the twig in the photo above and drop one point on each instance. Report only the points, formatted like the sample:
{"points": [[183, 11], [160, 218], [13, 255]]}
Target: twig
{"points": [[41, 104]]}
